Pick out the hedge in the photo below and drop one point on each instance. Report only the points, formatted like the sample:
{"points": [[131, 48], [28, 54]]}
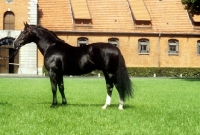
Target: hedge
{"points": [[164, 72], [151, 72]]}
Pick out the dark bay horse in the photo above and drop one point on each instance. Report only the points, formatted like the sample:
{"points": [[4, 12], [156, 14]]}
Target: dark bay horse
{"points": [[61, 59]]}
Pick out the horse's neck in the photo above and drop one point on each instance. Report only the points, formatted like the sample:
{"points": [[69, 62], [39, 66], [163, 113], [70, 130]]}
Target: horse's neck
{"points": [[43, 45]]}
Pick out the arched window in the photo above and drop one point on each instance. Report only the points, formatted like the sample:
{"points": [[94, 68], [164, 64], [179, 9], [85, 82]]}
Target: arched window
{"points": [[9, 20], [114, 41], [82, 41], [143, 46], [6, 41], [9, 1], [198, 47], [173, 46]]}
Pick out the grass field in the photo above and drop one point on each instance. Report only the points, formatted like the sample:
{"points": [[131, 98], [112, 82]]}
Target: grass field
{"points": [[161, 106]]}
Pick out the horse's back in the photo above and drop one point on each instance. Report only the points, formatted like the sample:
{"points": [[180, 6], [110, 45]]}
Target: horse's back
{"points": [[80, 60], [106, 56]]}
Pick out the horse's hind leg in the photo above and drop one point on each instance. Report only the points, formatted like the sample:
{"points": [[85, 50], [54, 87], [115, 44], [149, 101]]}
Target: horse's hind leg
{"points": [[109, 86], [121, 98], [121, 101], [53, 80], [61, 89], [113, 80]]}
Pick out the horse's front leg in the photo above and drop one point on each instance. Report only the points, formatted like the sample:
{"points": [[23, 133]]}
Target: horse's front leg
{"points": [[53, 80], [108, 97], [109, 86], [61, 89]]}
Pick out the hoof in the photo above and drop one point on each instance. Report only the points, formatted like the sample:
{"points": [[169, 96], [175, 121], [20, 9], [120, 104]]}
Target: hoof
{"points": [[64, 103], [105, 106], [121, 109], [53, 106]]}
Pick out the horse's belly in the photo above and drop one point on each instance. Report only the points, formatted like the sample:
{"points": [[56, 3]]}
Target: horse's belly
{"points": [[77, 70]]}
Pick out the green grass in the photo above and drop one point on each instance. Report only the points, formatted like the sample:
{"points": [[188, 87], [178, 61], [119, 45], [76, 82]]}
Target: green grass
{"points": [[159, 107]]}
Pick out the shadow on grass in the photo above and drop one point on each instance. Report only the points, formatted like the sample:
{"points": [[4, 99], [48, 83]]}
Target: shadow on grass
{"points": [[4, 103], [126, 106], [189, 79], [100, 105]]}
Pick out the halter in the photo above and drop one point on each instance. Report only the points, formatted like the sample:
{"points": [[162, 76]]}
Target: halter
{"points": [[26, 36]]}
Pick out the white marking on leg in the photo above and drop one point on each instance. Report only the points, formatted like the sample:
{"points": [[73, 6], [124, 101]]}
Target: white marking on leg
{"points": [[108, 100], [120, 107], [121, 103]]}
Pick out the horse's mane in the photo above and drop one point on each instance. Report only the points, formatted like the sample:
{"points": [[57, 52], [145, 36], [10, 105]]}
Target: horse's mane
{"points": [[48, 33]]}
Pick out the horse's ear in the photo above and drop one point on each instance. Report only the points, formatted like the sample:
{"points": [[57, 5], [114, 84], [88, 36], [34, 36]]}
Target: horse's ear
{"points": [[26, 25]]}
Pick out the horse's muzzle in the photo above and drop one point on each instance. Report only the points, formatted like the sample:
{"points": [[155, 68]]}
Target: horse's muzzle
{"points": [[17, 45]]}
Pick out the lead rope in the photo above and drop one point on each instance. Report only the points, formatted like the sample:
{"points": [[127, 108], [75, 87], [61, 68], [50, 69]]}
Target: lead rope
{"points": [[13, 54]]}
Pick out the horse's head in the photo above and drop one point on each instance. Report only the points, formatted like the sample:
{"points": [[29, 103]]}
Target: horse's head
{"points": [[25, 36]]}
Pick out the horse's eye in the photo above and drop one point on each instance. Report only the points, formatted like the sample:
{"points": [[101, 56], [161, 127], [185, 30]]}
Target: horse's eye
{"points": [[24, 32]]}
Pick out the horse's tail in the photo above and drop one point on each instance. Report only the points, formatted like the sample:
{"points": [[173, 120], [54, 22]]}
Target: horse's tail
{"points": [[124, 84]]}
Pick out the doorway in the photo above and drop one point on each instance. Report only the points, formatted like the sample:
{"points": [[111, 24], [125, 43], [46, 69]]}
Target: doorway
{"points": [[8, 65]]}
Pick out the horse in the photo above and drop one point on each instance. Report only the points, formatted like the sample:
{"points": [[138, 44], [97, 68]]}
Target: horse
{"points": [[60, 59]]}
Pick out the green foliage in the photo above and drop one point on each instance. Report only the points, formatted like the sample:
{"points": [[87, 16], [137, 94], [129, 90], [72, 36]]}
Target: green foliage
{"points": [[164, 72], [193, 6], [44, 71], [150, 71], [160, 107], [93, 73]]}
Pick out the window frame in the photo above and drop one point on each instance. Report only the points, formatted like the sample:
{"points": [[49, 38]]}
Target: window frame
{"points": [[8, 24], [114, 41], [9, 1], [173, 43], [141, 43], [198, 47], [82, 41], [7, 42]]}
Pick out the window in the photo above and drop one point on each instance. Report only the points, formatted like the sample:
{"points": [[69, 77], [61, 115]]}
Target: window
{"points": [[196, 21], [82, 41], [7, 41], [83, 21], [143, 46], [9, 1], [9, 21], [81, 13], [173, 46], [140, 13], [114, 41], [198, 47]]}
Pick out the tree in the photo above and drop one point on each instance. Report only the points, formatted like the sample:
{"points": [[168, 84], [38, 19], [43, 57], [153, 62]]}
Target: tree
{"points": [[192, 6]]}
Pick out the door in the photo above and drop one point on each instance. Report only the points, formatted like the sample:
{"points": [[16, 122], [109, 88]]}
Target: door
{"points": [[4, 61], [13, 61]]}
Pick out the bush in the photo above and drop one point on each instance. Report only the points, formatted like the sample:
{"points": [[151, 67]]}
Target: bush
{"points": [[93, 73], [150, 71], [163, 72]]}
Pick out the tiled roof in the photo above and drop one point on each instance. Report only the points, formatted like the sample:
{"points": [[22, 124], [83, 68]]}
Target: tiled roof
{"points": [[115, 16], [168, 16], [55, 14], [110, 15]]}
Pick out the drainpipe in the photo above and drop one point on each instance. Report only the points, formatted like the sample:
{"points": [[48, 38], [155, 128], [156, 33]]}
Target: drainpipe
{"points": [[159, 36]]}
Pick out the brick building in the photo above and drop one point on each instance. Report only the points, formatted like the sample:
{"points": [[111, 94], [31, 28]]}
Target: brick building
{"points": [[149, 33], [13, 14]]}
